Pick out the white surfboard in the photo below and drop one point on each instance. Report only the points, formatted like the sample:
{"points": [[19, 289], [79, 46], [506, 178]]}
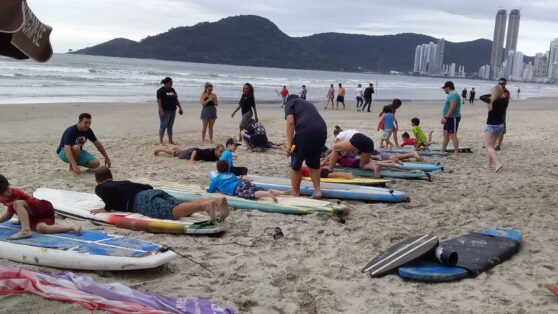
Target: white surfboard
{"points": [[92, 250]]}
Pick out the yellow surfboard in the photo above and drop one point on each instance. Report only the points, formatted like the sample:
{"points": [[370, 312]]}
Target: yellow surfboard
{"points": [[355, 181]]}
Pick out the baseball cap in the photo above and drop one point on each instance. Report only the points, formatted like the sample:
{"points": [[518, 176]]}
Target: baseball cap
{"points": [[232, 141], [449, 84]]}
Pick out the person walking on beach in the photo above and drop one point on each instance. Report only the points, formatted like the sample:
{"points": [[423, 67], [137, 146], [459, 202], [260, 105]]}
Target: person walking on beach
{"points": [[497, 106], [167, 101], [359, 96], [518, 91], [395, 105], [209, 103], [464, 95], [284, 94], [451, 117], [506, 95], [247, 105], [330, 96], [303, 92], [306, 137], [340, 96], [472, 95], [368, 97], [70, 150]]}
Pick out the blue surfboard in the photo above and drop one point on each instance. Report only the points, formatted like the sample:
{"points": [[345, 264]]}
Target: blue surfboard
{"points": [[387, 173], [423, 153], [420, 166], [427, 271]]}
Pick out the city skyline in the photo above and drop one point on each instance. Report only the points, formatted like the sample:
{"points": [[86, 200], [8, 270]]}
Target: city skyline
{"points": [[80, 24]]}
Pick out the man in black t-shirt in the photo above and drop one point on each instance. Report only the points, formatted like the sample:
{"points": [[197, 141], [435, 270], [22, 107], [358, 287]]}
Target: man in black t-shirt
{"points": [[126, 196], [306, 137], [70, 149], [193, 153], [368, 97]]}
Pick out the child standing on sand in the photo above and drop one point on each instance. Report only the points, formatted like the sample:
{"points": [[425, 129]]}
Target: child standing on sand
{"points": [[33, 214], [227, 183], [388, 119]]}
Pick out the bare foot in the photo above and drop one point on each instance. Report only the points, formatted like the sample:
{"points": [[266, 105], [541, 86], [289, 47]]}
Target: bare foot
{"points": [[273, 197], [317, 195], [498, 168], [77, 230], [21, 235], [221, 208], [497, 148]]}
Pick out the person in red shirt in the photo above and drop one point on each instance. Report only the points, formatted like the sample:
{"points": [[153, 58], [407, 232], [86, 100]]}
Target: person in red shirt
{"points": [[33, 214], [284, 94], [325, 173], [407, 140]]}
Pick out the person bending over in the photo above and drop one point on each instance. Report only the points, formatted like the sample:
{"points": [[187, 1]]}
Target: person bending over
{"points": [[228, 183], [33, 214], [126, 196], [193, 153]]}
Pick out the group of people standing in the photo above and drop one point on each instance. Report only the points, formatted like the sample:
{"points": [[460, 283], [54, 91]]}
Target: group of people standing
{"points": [[495, 128], [168, 103]]}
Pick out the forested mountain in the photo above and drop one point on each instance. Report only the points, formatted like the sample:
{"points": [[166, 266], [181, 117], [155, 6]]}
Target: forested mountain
{"points": [[255, 41]]}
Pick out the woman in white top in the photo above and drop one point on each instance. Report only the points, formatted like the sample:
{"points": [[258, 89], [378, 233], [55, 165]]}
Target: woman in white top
{"points": [[353, 141]]}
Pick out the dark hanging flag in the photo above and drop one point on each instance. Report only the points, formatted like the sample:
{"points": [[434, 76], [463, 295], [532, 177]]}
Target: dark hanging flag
{"points": [[22, 34]]}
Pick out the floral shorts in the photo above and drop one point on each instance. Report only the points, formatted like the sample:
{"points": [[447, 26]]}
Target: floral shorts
{"points": [[246, 189]]}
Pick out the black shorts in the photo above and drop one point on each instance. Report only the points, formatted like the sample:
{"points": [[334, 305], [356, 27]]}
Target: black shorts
{"points": [[341, 98], [239, 171], [363, 143], [324, 173], [452, 124], [308, 149]]}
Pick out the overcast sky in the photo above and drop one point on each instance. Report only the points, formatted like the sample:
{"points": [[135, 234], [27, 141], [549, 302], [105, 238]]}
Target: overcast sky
{"points": [[83, 23]]}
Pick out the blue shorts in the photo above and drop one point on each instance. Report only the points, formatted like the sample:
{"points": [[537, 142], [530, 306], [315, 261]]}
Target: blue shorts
{"points": [[387, 134], [452, 124], [82, 160], [155, 204], [495, 129]]}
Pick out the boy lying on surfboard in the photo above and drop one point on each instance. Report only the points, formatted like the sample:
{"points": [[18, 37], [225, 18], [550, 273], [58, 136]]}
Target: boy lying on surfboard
{"points": [[228, 183], [33, 214]]}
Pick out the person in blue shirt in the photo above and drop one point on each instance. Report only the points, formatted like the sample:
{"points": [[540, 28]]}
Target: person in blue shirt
{"points": [[230, 147], [228, 183], [451, 117], [388, 126], [70, 150]]}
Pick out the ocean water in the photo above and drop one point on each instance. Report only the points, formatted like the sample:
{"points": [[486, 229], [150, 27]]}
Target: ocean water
{"points": [[81, 78]]}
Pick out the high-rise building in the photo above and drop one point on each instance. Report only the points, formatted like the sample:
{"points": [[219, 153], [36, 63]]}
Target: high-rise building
{"points": [[416, 66], [540, 66], [553, 59], [514, 65], [439, 60], [513, 31], [498, 41]]}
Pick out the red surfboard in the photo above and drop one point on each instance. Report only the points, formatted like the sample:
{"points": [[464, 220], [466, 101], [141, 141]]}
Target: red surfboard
{"points": [[553, 289]]}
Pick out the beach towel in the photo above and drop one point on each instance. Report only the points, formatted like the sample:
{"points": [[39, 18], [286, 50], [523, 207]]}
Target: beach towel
{"points": [[113, 297]]}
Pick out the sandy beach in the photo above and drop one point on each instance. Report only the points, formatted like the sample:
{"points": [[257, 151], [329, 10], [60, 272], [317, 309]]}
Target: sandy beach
{"points": [[316, 268]]}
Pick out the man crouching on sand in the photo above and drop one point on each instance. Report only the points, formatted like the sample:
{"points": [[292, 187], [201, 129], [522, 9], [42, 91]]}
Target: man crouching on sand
{"points": [[126, 196], [70, 149]]}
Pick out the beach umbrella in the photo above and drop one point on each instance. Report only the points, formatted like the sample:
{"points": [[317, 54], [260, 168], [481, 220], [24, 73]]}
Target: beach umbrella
{"points": [[22, 34]]}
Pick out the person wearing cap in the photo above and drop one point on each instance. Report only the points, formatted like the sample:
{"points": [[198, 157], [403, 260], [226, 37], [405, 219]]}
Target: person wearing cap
{"points": [[167, 101], [451, 117], [230, 147], [306, 137]]}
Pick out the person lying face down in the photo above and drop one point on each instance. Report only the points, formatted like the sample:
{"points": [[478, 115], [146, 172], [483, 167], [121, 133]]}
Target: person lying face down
{"points": [[126, 196], [193, 153], [228, 183]]}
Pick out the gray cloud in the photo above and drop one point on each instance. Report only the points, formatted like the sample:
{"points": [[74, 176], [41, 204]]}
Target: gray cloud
{"points": [[78, 24]]}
